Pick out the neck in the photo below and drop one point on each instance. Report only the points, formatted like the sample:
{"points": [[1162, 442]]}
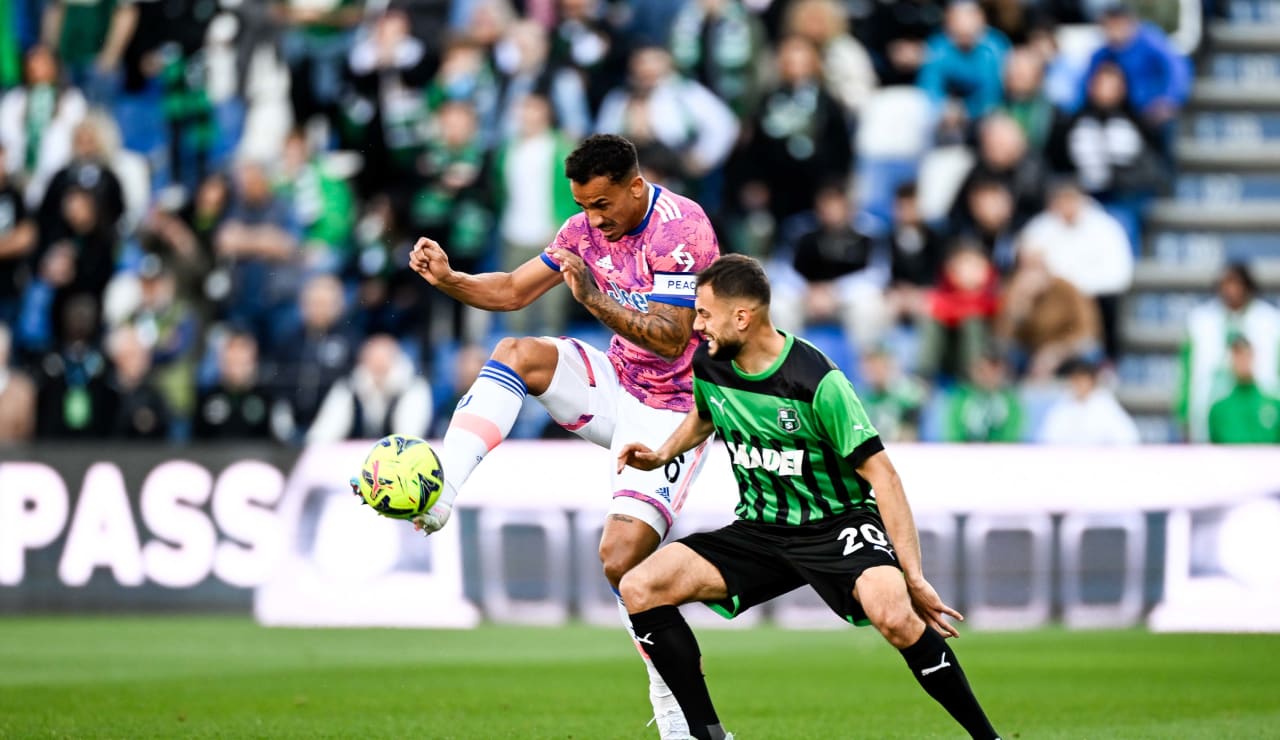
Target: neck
{"points": [[761, 350], [649, 194]]}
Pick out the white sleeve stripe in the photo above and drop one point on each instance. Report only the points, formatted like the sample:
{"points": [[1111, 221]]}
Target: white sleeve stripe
{"points": [[673, 205], [665, 209]]}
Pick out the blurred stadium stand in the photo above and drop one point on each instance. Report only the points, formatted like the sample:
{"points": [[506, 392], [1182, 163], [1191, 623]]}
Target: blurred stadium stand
{"points": [[1224, 208], [414, 147]]}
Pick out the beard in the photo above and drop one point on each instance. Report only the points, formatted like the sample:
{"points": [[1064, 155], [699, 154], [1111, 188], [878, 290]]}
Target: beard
{"points": [[725, 351]]}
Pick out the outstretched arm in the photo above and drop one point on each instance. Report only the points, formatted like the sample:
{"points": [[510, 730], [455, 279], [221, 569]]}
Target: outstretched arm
{"points": [[51, 23], [490, 291], [891, 499], [124, 21], [664, 330], [692, 432]]}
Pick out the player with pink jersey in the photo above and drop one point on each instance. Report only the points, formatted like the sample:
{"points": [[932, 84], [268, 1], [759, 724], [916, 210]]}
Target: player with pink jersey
{"points": [[654, 262], [631, 258]]}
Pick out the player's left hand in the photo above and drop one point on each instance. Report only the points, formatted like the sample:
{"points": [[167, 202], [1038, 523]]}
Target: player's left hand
{"points": [[576, 275], [639, 457], [929, 606]]}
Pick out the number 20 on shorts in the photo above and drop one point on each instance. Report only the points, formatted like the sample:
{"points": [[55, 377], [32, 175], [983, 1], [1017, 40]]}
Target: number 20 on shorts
{"points": [[868, 532]]}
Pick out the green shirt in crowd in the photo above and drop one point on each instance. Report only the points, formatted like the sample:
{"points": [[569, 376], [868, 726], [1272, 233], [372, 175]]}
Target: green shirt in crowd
{"points": [[324, 206], [10, 54], [1245, 416], [895, 410], [84, 29], [978, 415]]}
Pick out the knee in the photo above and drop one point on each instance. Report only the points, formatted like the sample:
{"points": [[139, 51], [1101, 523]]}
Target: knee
{"points": [[634, 590], [616, 559], [900, 626], [533, 359], [637, 591], [614, 571], [513, 351]]}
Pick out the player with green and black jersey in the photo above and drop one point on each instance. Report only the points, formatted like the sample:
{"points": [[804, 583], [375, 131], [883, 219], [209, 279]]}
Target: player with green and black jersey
{"points": [[820, 505], [795, 432]]}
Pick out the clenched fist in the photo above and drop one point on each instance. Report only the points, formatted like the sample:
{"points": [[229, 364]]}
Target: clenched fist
{"points": [[429, 260]]}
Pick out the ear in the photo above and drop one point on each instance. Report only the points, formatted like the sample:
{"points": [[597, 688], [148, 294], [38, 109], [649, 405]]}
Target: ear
{"points": [[742, 316], [637, 187]]}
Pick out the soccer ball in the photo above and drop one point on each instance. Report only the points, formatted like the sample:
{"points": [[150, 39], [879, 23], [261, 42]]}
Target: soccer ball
{"points": [[401, 477]]}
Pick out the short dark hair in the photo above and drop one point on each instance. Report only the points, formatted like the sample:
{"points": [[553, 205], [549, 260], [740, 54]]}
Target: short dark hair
{"points": [[602, 155], [1080, 364], [831, 186], [987, 182], [1061, 184], [1240, 271], [1116, 10], [241, 336], [994, 353], [737, 276]]}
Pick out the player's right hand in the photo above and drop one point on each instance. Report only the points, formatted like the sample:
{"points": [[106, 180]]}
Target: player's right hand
{"points": [[930, 607], [434, 519], [639, 457], [429, 260]]}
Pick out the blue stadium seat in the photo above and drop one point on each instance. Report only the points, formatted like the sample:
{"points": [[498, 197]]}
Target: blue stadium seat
{"points": [[1036, 402], [878, 179], [1181, 247], [831, 340], [933, 417], [441, 370], [141, 127], [590, 332]]}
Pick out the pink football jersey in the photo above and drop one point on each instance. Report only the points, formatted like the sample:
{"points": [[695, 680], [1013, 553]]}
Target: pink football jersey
{"points": [[654, 263]]}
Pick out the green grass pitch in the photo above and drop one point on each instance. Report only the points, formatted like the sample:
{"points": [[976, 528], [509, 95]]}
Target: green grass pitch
{"points": [[227, 678]]}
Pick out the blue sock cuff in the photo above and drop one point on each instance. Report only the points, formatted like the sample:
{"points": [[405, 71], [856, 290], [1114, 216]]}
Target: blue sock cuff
{"points": [[505, 377]]}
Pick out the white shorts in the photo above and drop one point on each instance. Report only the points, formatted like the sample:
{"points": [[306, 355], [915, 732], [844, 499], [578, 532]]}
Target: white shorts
{"points": [[586, 398]]}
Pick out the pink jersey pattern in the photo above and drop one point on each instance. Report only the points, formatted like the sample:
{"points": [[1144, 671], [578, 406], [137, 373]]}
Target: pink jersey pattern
{"points": [[655, 263]]}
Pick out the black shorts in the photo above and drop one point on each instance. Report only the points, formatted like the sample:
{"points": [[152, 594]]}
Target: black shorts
{"points": [[760, 562]]}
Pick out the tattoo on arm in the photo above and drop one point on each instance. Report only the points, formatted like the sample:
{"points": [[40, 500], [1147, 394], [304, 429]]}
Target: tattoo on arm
{"points": [[665, 330], [621, 518]]}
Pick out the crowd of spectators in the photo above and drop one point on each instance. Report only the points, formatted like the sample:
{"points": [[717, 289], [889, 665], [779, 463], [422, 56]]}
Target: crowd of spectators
{"points": [[206, 207]]}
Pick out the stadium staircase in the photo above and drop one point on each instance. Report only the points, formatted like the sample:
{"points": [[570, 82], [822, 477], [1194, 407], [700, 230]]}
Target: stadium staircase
{"points": [[1224, 206]]}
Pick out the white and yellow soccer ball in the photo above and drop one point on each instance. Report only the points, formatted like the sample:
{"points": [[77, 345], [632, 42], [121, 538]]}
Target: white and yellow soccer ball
{"points": [[401, 477]]}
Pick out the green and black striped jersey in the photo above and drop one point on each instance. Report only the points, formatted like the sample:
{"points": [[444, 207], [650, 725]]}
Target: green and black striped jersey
{"points": [[796, 434]]}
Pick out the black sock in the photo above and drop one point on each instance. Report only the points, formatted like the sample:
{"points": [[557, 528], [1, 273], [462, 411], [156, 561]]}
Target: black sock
{"points": [[671, 646], [935, 666]]}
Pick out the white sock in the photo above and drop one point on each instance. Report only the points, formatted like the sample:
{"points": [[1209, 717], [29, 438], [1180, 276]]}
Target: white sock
{"points": [[657, 687], [482, 419]]}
